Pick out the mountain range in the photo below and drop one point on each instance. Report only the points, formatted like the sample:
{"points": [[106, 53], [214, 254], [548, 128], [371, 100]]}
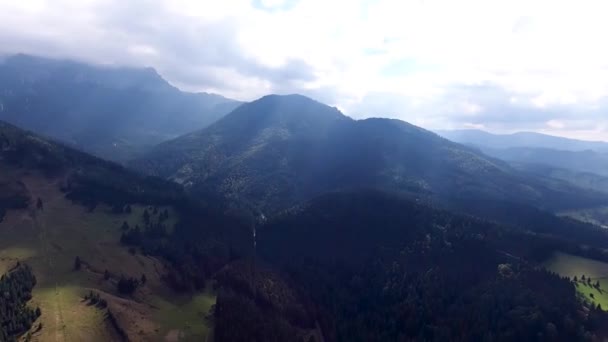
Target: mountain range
{"points": [[521, 140], [277, 151], [112, 112], [282, 220], [582, 163]]}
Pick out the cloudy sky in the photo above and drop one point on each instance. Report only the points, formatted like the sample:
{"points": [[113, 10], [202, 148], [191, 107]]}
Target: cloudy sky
{"points": [[498, 65]]}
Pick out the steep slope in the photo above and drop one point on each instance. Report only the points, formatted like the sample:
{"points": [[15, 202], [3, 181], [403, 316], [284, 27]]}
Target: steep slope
{"points": [[111, 112], [280, 150], [521, 139]]}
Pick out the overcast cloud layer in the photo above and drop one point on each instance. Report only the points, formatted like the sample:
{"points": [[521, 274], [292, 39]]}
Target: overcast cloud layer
{"points": [[498, 65]]}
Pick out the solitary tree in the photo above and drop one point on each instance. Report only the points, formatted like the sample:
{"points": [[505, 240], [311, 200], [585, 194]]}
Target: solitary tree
{"points": [[106, 275], [143, 279], [39, 204]]}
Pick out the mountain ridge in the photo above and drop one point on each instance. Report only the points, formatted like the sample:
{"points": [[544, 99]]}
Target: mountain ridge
{"points": [[273, 162], [113, 112], [521, 139]]}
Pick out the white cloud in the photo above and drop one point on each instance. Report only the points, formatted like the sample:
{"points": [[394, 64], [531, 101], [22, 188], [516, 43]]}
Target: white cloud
{"points": [[546, 57], [555, 124]]}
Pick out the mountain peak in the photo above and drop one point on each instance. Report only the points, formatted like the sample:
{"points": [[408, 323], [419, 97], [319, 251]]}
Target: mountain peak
{"points": [[284, 111], [36, 69], [112, 111], [295, 99]]}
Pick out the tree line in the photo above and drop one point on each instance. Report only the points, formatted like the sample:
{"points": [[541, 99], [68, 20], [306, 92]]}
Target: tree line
{"points": [[15, 291]]}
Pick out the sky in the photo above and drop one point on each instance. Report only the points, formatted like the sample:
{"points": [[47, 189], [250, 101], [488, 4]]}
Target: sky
{"points": [[501, 66]]}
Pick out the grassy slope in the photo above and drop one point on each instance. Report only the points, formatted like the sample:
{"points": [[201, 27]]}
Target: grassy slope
{"points": [[181, 317], [50, 239], [571, 266]]}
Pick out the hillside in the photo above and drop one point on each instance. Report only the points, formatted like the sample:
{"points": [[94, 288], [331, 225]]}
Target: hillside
{"points": [[66, 214], [110, 112], [279, 150]]}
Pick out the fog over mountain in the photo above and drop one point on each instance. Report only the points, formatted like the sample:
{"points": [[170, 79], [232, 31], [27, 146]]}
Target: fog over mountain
{"points": [[503, 67], [112, 112], [303, 170]]}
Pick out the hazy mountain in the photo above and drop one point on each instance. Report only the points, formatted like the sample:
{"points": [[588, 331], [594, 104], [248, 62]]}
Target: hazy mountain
{"points": [[280, 150], [531, 150], [587, 161], [111, 112], [521, 139]]}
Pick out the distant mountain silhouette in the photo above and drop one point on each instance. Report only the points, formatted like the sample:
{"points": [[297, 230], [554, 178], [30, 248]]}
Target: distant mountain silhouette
{"points": [[111, 112], [279, 150], [533, 150], [522, 139]]}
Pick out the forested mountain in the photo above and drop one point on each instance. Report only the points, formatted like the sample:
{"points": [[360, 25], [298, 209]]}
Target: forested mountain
{"points": [[279, 150], [374, 267], [88, 178], [346, 266], [522, 139], [111, 112]]}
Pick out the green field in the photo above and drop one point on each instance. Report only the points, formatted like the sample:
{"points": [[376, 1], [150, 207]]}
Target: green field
{"points": [[574, 266], [182, 317], [49, 240]]}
